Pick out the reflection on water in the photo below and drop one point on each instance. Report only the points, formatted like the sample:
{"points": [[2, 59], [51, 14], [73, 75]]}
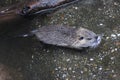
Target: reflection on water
{"points": [[31, 60]]}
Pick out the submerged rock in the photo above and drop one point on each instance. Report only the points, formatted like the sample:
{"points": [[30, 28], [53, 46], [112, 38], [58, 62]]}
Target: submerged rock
{"points": [[8, 73], [67, 36]]}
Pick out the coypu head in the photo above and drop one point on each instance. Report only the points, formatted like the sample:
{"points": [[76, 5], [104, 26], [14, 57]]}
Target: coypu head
{"points": [[86, 38], [25, 10]]}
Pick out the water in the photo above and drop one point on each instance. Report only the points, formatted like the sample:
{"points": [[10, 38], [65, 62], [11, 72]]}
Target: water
{"points": [[28, 59]]}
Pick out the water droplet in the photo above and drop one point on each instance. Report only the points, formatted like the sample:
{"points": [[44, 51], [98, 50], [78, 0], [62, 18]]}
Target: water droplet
{"points": [[76, 8], [100, 68], [68, 60], [91, 59], [101, 24]]}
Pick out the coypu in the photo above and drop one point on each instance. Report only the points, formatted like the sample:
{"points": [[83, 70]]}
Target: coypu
{"points": [[24, 12], [45, 6], [66, 36], [32, 8]]}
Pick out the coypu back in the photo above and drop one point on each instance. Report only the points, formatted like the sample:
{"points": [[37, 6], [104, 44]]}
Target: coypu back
{"points": [[67, 36]]}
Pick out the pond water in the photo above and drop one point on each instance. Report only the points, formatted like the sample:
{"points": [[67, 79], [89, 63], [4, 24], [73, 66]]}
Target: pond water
{"points": [[29, 59]]}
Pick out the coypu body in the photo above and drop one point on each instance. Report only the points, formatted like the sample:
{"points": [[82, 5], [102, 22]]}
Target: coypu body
{"points": [[67, 36]]}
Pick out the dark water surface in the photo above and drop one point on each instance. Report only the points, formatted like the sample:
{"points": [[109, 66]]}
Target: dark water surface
{"points": [[28, 59]]}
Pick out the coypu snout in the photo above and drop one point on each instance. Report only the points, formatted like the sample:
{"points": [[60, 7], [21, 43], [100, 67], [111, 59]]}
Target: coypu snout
{"points": [[96, 42]]}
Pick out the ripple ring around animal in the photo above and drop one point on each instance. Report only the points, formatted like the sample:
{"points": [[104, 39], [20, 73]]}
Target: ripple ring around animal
{"points": [[67, 36]]}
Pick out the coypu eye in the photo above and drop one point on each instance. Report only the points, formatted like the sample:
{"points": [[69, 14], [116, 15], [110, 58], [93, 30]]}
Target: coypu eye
{"points": [[96, 37], [81, 38], [89, 38]]}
